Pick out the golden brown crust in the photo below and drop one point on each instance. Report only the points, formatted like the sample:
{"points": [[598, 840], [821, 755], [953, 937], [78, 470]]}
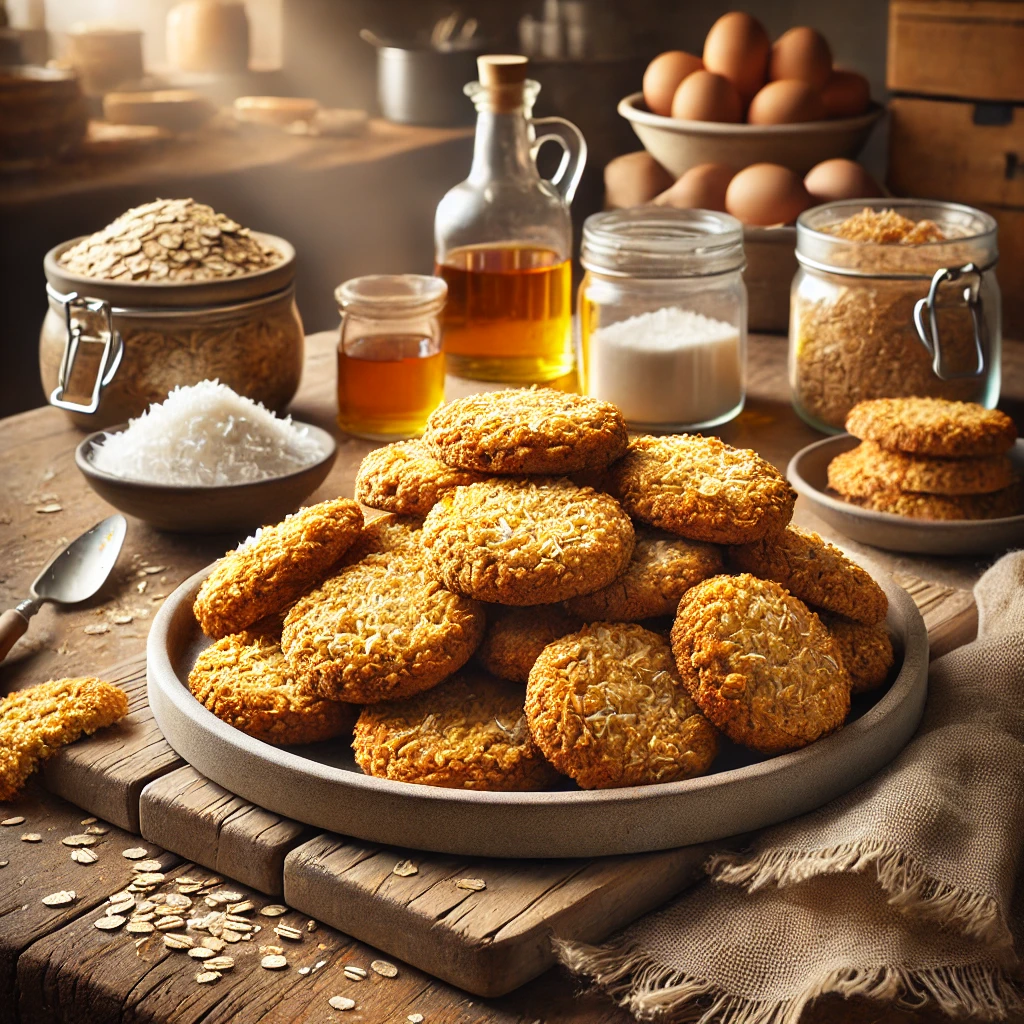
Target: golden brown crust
{"points": [[245, 681], [527, 430], [469, 733], [866, 651], [526, 540], [405, 478], [702, 488], [516, 636], [607, 708], [932, 426], [815, 571], [759, 663], [998, 505], [36, 722], [379, 630], [869, 468], [662, 568], [387, 533], [269, 571]]}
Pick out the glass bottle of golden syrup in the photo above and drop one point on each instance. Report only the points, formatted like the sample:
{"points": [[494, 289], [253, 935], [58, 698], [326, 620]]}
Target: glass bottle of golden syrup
{"points": [[503, 238]]}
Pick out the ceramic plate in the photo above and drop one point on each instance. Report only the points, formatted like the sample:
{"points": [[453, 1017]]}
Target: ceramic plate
{"points": [[808, 473], [321, 785]]}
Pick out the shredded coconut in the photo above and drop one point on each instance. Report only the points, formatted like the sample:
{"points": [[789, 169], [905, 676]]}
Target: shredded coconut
{"points": [[206, 435], [669, 367]]}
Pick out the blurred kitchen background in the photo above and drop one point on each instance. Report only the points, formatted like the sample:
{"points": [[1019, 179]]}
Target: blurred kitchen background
{"points": [[353, 198]]}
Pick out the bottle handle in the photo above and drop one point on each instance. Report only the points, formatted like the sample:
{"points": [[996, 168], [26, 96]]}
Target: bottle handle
{"points": [[574, 152]]}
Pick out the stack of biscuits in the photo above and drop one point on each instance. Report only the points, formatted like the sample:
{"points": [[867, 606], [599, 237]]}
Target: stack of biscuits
{"points": [[543, 601], [927, 458]]}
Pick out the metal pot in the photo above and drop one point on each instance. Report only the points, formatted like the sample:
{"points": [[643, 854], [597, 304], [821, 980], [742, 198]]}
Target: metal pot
{"points": [[422, 84]]}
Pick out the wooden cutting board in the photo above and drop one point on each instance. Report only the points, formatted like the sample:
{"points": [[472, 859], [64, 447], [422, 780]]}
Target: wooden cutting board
{"points": [[488, 941]]}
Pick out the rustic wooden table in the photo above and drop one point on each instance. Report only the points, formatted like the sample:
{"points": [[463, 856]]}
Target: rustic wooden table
{"points": [[45, 966]]}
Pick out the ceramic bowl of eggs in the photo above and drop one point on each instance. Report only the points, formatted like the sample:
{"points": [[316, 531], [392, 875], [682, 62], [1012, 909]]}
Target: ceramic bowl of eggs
{"points": [[767, 198], [749, 100]]}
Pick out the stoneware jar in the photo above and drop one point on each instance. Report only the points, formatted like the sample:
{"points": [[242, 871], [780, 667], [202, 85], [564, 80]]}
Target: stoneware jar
{"points": [[107, 349]]}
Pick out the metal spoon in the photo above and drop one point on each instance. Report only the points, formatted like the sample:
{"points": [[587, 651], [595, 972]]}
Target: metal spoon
{"points": [[72, 575]]}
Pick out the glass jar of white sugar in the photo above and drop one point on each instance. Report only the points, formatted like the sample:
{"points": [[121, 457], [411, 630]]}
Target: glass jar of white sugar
{"points": [[663, 316]]}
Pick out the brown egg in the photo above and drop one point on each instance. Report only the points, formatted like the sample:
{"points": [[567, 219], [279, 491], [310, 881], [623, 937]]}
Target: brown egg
{"points": [[765, 194], [737, 47], [662, 78], [840, 179], [803, 54], [703, 96], [633, 179], [785, 102], [700, 188], [846, 94]]}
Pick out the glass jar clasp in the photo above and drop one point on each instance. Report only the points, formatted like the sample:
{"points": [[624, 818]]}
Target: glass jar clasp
{"points": [[928, 331], [110, 359]]}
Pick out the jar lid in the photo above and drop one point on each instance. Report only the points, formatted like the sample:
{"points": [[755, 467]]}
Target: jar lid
{"points": [[392, 295], [970, 238], [662, 242]]}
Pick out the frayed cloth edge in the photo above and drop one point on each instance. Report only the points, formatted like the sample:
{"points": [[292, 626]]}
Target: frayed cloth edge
{"points": [[651, 991], [910, 889]]}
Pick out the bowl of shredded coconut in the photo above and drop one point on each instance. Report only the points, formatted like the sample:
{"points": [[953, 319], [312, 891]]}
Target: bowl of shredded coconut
{"points": [[207, 460]]}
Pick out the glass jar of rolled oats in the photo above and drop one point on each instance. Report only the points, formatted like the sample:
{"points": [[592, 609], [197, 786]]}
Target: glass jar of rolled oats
{"points": [[893, 298], [169, 294]]}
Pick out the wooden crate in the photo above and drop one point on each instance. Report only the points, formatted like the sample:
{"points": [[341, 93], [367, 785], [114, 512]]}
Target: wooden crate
{"points": [[969, 153], [957, 151], [973, 50]]}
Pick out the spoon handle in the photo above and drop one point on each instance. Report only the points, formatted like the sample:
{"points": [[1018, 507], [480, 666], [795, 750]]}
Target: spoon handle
{"points": [[12, 626]]}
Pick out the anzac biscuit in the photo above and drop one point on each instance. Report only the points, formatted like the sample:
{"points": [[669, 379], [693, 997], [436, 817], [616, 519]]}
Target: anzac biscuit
{"points": [[607, 708], [702, 488], [534, 430], [866, 651], [932, 426], [405, 478], [662, 568], [516, 636], [36, 722], [385, 534], [469, 733], [814, 571], [759, 663], [1007, 502], [381, 629], [524, 541], [869, 468], [270, 570], [245, 681]]}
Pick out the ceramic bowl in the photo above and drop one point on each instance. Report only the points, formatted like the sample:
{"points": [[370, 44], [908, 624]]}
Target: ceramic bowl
{"points": [[679, 145], [808, 473], [207, 509], [177, 110]]}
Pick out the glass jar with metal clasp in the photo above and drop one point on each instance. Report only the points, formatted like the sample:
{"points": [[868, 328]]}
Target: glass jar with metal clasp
{"points": [[890, 320], [109, 349]]}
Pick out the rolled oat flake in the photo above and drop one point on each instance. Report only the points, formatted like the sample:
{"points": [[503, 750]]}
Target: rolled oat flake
{"points": [[274, 962], [60, 899], [385, 969], [342, 1003], [110, 923]]}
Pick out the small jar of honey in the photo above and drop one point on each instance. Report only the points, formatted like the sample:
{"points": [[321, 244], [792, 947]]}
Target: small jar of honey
{"points": [[390, 362]]}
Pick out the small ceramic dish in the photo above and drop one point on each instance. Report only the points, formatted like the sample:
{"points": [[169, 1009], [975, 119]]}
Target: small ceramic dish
{"points": [[276, 111], [679, 145], [207, 509], [808, 473]]}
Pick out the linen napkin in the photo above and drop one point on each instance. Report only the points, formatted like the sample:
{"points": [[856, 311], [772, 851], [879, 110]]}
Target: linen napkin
{"points": [[902, 890]]}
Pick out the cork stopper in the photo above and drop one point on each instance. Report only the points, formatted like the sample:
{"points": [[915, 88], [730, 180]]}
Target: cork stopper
{"points": [[501, 69], [502, 78]]}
